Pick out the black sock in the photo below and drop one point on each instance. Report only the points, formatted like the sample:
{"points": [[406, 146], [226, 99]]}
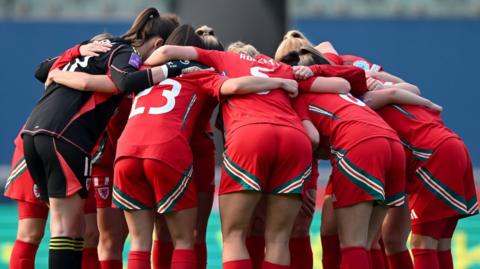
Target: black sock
{"points": [[65, 252]]}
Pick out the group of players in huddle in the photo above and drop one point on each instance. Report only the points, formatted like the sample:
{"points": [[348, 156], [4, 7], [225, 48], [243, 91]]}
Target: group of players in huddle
{"points": [[121, 143]]}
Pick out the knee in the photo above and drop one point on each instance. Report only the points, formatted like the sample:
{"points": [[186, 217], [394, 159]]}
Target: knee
{"points": [[300, 230], [394, 243], [32, 236], [423, 242], [91, 238]]}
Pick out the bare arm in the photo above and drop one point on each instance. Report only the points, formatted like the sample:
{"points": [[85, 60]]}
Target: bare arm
{"points": [[312, 132], [250, 84], [384, 76], [408, 87], [380, 98], [83, 81], [330, 85], [169, 52]]}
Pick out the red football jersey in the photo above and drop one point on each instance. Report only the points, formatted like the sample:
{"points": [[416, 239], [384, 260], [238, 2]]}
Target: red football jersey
{"points": [[104, 153], [420, 129], [360, 62], [342, 117], [265, 107], [165, 113]]}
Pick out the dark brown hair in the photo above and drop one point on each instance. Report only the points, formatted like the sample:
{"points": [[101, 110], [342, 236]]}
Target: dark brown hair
{"points": [[149, 23], [185, 35]]}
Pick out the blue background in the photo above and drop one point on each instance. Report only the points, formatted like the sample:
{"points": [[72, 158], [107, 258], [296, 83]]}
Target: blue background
{"points": [[440, 56]]}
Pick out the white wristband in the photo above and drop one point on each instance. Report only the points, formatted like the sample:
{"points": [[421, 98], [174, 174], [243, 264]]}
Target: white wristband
{"points": [[165, 71]]}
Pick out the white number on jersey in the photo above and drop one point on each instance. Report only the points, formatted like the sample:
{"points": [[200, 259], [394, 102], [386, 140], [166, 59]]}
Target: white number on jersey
{"points": [[71, 67], [257, 72], [350, 98], [168, 94]]}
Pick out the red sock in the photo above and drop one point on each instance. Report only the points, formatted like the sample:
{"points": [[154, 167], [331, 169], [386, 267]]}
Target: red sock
{"points": [[400, 260], [331, 254], [111, 264], [376, 259], [183, 259], [201, 255], [425, 259], [90, 259], [162, 254], [445, 260], [139, 260], [23, 255], [239, 264], [355, 258], [256, 250], [269, 265], [301, 256]]}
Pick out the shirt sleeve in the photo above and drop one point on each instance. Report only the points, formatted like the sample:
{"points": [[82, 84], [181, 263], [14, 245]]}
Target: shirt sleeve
{"points": [[354, 75], [66, 57], [306, 84], [334, 58], [212, 83], [300, 106], [41, 72], [212, 58], [123, 70]]}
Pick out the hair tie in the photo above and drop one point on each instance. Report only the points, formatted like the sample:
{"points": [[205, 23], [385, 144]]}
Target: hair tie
{"points": [[151, 16]]}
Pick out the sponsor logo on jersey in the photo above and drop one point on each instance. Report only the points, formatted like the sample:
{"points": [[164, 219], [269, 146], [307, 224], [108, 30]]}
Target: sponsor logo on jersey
{"points": [[103, 192], [135, 60], [36, 191]]}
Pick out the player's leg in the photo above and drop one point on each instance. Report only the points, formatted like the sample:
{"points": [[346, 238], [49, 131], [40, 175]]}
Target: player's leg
{"points": [[134, 194], [113, 231], [424, 243], [292, 167], [176, 198], [90, 254], [331, 253], [444, 251], [395, 231], [375, 251], [65, 169], [300, 248], [204, 178], [31, 226], [236, 210], [255, 241], [162, 245]]}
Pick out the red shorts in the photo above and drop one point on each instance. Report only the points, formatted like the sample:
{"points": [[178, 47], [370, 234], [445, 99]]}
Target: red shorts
{"points": [[27, 210], [147, 183], [443, 186], [266, 158], [329, 188], [311, 184], [204, 165], [373, 170], [103, 190], [436, 229]]}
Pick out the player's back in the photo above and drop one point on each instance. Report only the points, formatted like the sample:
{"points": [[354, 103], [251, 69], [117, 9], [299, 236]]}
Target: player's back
{"points": [[345, 119], [168, 110], [418, 127], [264, 107]]}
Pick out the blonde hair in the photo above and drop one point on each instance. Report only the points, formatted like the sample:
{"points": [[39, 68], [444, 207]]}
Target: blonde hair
{"points": [[296, 34], [288, 45], [240, 47], [101, 37], [210, 41]]}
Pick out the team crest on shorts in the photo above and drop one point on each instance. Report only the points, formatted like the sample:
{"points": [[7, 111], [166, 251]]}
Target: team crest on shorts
{"points": [[103, 192], [36, 191]]}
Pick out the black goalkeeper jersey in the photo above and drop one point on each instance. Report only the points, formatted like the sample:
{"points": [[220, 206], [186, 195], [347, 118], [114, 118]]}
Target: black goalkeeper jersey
{"points": [[79, 117]]}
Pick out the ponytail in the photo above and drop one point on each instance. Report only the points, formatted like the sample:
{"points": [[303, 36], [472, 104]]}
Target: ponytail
{"points": [[149, 23]]}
